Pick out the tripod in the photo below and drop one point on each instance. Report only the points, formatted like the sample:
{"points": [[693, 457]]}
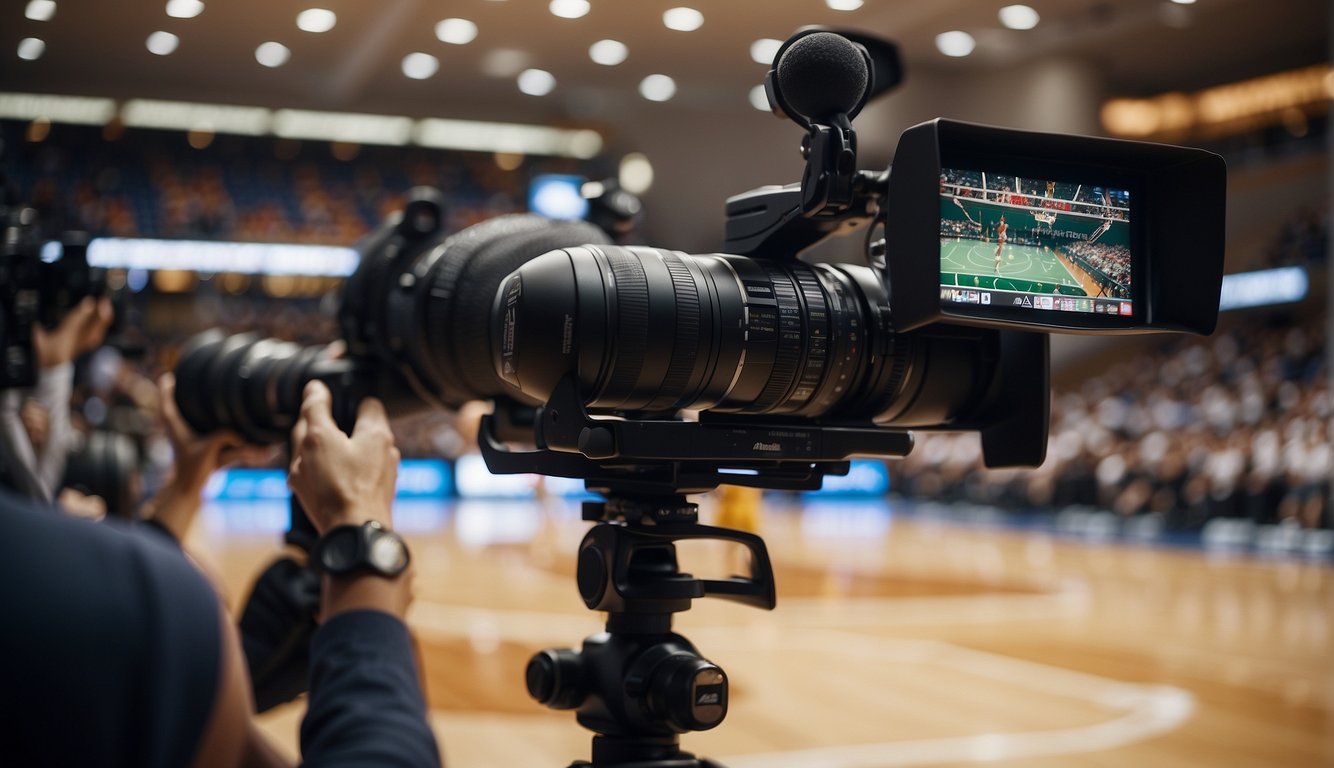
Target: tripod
{"points": [[638, 685]]}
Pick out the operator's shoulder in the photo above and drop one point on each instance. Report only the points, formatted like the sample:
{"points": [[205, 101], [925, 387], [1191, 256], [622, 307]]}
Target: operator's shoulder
{"points": [[57, 554]]}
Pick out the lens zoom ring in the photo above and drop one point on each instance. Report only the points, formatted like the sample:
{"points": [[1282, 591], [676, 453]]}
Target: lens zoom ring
{"points": [[788, 353], [817, 336], [631, 323], [686, 344]]}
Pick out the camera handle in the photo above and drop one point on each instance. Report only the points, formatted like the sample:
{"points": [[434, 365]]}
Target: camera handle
{"points": [[638, 685]]}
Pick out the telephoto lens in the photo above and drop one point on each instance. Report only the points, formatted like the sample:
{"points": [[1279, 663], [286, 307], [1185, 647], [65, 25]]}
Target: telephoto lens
{"points": [[413, 317], [245, 383], [654, 330]]}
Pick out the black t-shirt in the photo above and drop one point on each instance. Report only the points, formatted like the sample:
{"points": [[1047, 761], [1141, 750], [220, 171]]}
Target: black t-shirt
{"points": [[110, 656], [109, 642]]}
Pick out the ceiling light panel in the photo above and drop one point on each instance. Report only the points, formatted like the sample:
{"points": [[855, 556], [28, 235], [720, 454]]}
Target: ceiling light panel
{"points": [[31, 48], [420, 66], [759, 99], [569, 9], [763, 51], [162, 43], [272, 54], [80, 110], [955, 43], [40, 10], [844, 5], [456, 31], [657, 88], [536, 82], [1018, 17], [608, 53], [184, 9], [683, 19], [316, 20]]}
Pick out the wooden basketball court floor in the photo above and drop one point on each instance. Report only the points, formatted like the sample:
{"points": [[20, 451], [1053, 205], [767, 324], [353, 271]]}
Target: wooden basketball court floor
{"points": [[897, 641]]}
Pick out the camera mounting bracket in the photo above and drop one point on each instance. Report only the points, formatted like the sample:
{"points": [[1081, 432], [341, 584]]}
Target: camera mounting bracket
{"points": [[671, 456]]}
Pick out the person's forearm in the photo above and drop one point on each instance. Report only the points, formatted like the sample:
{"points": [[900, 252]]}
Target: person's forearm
{"points": [[366, 704], [54, 389]]}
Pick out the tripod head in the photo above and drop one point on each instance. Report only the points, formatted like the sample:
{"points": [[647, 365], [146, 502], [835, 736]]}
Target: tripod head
{"points": [[638, 685]]}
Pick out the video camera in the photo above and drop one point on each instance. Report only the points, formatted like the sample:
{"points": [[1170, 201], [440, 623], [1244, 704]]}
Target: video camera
{"points": [[992, 238], [39, 283]]}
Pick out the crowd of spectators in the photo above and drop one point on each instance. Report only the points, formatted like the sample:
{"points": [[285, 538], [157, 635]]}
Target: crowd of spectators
{"points": [[1238, 425], [1111, 261], [1055, 196], [153, 184]]}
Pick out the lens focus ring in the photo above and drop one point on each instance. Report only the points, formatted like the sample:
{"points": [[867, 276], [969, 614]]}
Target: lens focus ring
{"points": [[686, 342], [631, 291]]}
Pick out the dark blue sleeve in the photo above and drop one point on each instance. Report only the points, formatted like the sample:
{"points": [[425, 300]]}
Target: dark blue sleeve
{"points": [[366, 705]]}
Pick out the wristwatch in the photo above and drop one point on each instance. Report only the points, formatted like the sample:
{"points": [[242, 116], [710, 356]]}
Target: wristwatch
{"points": [[367, 547]]}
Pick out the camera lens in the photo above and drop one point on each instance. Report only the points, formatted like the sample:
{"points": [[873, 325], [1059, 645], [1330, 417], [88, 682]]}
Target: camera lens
{"points": [[244, 383], [654, 330], [414, 314]]}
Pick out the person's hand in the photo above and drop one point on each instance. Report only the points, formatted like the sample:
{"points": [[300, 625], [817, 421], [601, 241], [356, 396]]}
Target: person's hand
{"points": [[81, 330], [199, 456], [348, 480], [78, 504], [196, 457], [341, 479]]}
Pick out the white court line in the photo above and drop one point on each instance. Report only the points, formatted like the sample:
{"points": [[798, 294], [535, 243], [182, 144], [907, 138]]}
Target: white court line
{"points": [[1149, 710], [1143, 710]]}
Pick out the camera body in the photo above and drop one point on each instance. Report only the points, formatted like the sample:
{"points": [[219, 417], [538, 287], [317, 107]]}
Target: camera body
{"points": [[39, 283], [591, 351]]}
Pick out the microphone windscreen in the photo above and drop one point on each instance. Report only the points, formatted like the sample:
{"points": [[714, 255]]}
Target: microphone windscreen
{"points": [[822, 74]]}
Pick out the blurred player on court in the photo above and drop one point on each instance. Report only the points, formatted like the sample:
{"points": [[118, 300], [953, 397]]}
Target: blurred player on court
{"points": [[1000, 241]]}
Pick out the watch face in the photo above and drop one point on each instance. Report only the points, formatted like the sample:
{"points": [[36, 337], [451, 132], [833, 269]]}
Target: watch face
{"points": [[388, 554]]}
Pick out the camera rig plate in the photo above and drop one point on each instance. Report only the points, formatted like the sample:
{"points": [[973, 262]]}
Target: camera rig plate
{"points": [[671, 456]]}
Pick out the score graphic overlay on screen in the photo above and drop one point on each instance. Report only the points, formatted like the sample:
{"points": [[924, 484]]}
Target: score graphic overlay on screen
{"points": [[1034, 245]]}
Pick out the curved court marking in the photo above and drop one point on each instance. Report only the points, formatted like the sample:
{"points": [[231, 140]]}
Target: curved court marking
{"points": [[980, 259], [1145, 710], [1141, 711]]}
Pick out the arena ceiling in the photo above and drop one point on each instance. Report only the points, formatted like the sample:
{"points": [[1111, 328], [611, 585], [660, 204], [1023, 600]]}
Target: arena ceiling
{"points": [[1143, 47]]}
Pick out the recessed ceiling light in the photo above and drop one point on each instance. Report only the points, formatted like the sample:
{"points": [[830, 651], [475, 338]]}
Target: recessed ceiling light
{"points": [[764, 50], [759, 99], [536, 82], [569, 9], [162, 43], [843, 5], [316, 20], [1018, 17], [456, 31], [272, 54], [184, 9], [608, 53], [40, 10], [1184, 2], [657, 88], [955, 43], [420, 66], [683, 19], [31, 48]]}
